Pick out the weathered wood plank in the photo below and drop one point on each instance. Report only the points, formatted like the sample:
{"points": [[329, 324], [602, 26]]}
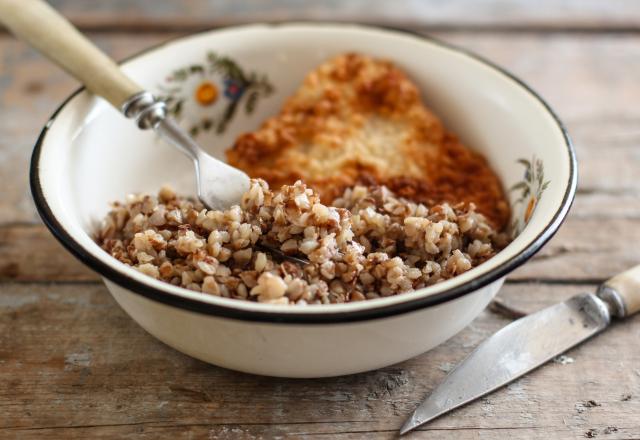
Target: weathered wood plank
{"points": [[198, 14], [109, 378], [31, 253], [586, 249], [581, 76]]}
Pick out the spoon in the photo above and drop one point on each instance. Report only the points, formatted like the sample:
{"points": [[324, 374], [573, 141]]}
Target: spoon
{"points": [[219, 185]]}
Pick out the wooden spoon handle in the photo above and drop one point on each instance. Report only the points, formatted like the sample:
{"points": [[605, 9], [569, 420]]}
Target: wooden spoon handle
{"points": [[42, 27], [622, 292]]}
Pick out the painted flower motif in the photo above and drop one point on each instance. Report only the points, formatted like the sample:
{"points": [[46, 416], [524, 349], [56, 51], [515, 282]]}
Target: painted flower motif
{"points": [[206, 93], [530, 189], [530, 207], [218, 80], [233, 89]]}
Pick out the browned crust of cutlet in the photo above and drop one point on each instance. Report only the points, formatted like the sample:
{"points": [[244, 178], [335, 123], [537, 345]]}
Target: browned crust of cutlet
{"points": [[356, 119]]}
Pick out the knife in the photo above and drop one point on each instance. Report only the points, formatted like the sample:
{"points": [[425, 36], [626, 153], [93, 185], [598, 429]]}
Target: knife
{"points": [[529, 342]]}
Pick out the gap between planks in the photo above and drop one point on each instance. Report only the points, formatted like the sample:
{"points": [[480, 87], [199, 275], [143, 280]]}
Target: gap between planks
{"points": [[159, 26], [175, 424]]}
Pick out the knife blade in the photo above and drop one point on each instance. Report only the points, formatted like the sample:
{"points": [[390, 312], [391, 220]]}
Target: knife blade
{"points": [[528, 343]]}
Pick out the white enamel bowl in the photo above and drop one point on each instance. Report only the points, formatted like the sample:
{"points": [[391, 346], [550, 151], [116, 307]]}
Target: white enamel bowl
{"points": [[89, 155]]}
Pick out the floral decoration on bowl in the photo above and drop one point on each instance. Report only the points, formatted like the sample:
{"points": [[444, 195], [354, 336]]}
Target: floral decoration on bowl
{"points": [[208, 94], [530, 190]]}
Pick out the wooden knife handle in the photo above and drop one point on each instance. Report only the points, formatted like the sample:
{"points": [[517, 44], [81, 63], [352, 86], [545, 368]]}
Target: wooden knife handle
{"points": [[38, 24], [622, 292]]}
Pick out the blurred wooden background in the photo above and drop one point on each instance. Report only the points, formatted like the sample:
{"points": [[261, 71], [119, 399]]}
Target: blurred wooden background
{"points": [[73, 365]]}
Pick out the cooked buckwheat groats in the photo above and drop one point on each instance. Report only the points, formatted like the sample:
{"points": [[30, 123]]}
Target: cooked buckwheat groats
{"points": [[369, 244]]}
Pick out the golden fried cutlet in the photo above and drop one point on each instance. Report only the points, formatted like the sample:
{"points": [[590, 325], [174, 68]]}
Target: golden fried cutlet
{"points": [[356, 119]]}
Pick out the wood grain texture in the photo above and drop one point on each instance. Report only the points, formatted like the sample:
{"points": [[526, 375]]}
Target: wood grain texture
{"points": [[51, 34], [109, 378], [73, 365], [488, 14], [29, 253]]}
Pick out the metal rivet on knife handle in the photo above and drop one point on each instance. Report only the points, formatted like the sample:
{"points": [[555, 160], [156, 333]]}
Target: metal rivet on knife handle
{"points": [[622, 292]]}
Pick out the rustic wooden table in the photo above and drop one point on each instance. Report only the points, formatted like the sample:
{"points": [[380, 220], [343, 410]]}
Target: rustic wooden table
{"points": [[73, 365]]}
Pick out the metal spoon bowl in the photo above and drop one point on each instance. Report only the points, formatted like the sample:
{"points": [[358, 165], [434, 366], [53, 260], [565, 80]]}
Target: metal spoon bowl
{"points": [[219, 185]]}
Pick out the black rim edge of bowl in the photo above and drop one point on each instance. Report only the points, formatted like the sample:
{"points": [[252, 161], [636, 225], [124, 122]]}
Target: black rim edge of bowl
{"points": [[308, 318]]}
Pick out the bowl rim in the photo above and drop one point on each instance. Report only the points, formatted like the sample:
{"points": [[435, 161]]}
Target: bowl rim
{"points": [[325, 315]]}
